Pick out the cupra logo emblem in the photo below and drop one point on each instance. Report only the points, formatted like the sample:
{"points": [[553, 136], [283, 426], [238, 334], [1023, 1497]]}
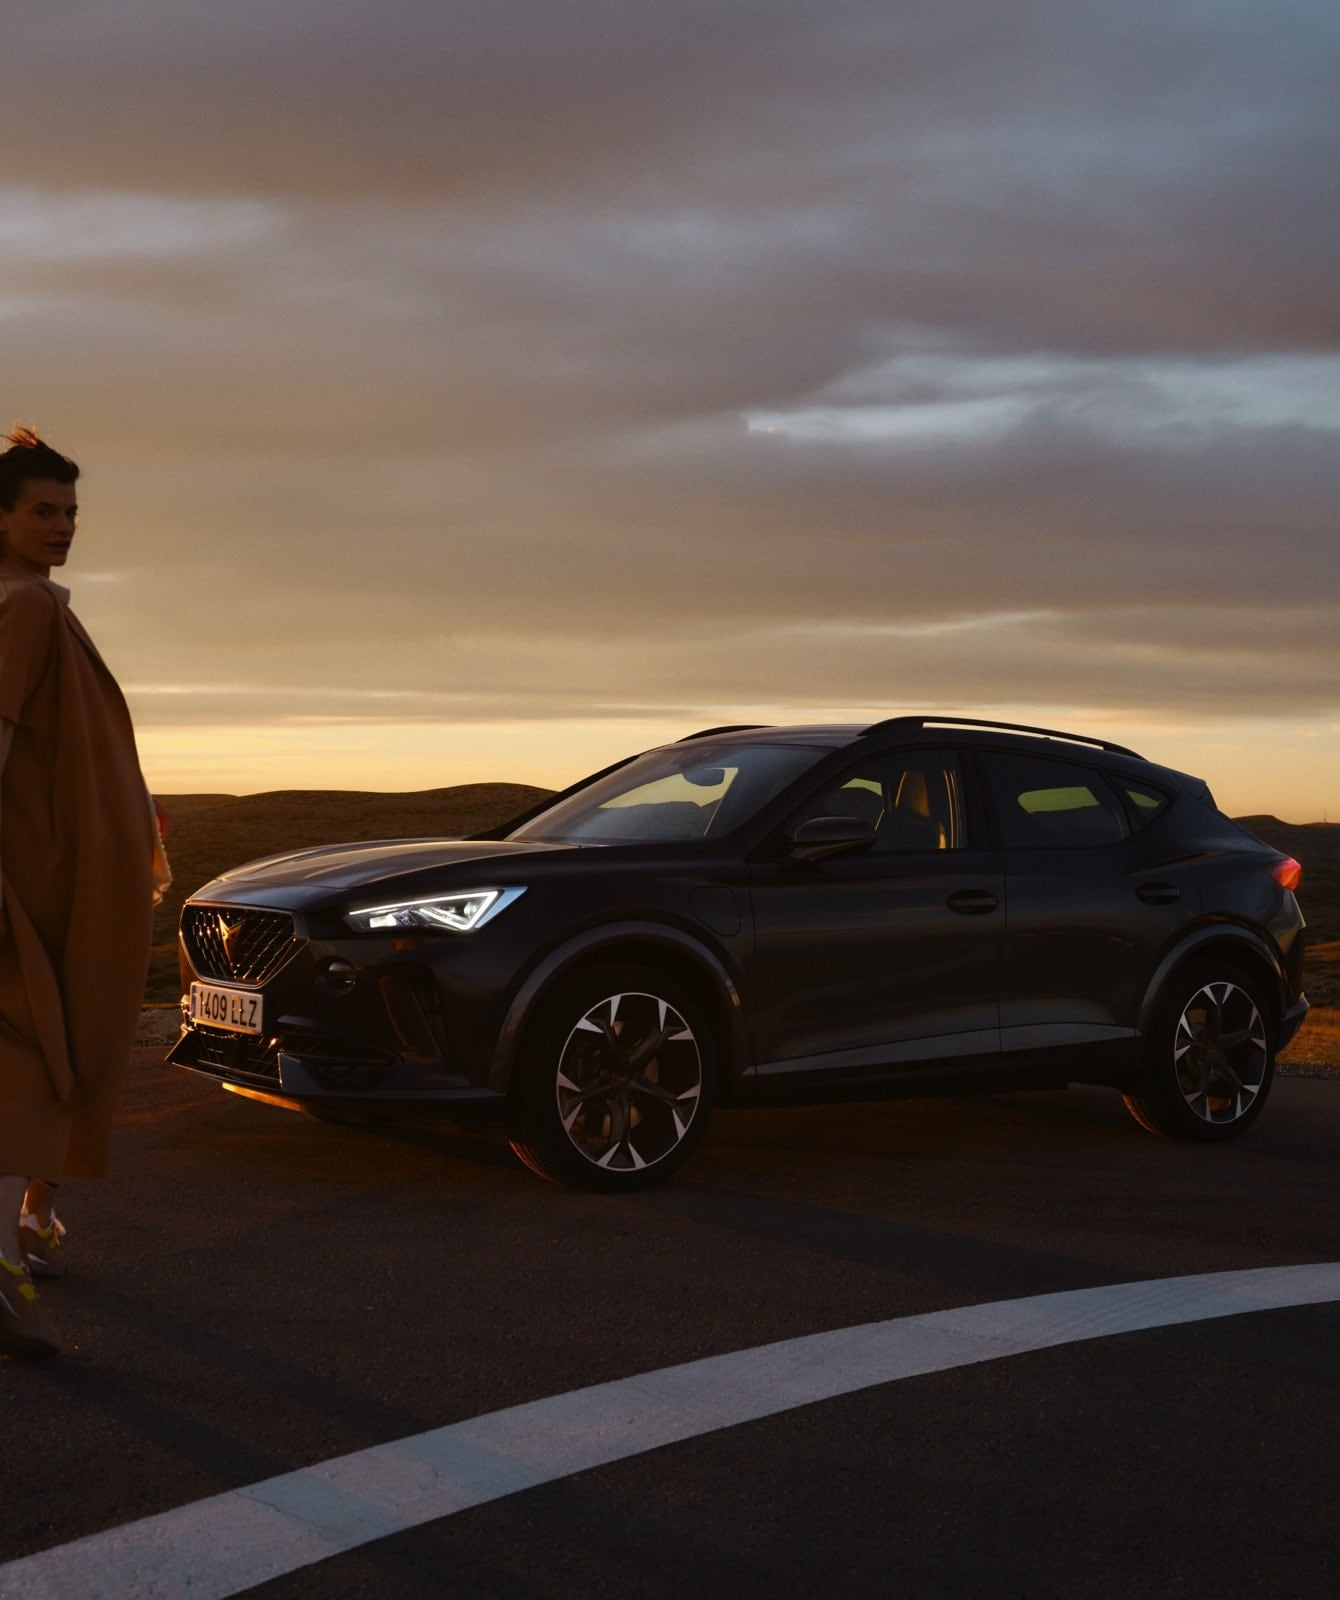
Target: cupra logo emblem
{"points": [[228, 932]]}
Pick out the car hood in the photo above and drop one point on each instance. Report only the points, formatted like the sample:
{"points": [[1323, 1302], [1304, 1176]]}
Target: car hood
{"points": [[330, 873]]}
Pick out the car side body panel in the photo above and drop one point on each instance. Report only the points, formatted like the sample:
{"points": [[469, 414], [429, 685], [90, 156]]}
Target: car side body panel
{"points": [[858, 975]]}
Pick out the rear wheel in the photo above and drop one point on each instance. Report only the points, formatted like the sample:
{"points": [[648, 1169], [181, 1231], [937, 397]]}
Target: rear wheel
{"points": [[616, 1080], [1210, 1057]]}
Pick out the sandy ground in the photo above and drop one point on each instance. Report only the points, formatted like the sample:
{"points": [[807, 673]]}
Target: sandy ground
{"points": [[1315, 1053]]}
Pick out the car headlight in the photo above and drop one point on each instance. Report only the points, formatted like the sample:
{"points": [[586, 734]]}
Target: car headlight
{"points": [[462, 912]]}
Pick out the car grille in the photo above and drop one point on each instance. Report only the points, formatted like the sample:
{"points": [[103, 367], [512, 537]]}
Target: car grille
{"points": [[237, 945], [233, 1055]]}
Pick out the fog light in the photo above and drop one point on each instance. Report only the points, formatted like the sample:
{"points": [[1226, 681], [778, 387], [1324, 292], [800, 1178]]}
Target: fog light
{"points": [[336, 976]]}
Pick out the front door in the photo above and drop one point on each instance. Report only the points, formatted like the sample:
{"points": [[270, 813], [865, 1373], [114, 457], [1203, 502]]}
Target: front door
{"points": [[887, 957]]}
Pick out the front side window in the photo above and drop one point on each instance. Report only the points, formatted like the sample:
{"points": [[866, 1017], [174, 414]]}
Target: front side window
{"points": [[1052, 805], [677, 795], [912, 799]]}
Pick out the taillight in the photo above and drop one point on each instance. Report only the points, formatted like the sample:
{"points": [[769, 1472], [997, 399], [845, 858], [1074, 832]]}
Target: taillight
{"points": [[1287, 873]]}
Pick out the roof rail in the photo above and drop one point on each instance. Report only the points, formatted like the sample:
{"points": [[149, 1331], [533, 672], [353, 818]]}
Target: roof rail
{"points": [[733, 727], [893, 724]]}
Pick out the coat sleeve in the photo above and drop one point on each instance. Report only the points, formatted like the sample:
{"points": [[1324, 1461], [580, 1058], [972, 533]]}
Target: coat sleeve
{"points": [[27, 639]]}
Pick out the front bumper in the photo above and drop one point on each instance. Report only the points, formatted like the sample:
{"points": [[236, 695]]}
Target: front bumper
{"points": [[397, 1029], [284, 1067]]}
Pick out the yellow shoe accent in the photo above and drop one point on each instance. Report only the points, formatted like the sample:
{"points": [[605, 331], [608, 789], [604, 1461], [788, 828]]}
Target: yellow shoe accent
{"points": [[25, 1284], [24, 1330]]}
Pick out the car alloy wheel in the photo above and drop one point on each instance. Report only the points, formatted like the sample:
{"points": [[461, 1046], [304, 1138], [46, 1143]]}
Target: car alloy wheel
{"points": [[629, 1082], [1221, 1052], [1209, 1057], [617, 1081]]}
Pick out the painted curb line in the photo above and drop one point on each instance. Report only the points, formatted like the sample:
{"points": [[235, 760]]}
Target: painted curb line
{"points": [[216, 1547]]}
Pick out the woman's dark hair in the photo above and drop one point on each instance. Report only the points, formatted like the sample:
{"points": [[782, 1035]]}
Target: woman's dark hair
{"points": [[28, 457]]}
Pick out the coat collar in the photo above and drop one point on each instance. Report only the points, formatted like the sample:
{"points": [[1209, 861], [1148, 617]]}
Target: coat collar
{"points": [[13, 569]]}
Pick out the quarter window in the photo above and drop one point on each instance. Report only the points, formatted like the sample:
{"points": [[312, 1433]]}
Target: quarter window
{"points": [[1145, 803], [1051, 805]]}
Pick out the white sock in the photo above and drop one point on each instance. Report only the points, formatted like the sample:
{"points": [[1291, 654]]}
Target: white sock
{"points": [[28, 1220]]}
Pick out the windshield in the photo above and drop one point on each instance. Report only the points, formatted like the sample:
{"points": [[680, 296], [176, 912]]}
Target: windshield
{"points": [[679, 794]]}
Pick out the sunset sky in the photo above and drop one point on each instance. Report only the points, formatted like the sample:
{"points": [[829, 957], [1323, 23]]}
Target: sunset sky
{"points": [[483, 390]]}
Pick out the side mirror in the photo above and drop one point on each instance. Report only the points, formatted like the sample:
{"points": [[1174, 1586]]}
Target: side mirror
{"points": [[821, 837]]}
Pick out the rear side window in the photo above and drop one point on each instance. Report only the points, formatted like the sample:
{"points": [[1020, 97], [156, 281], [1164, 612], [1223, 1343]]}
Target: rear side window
{"points": [[1051, 805]]}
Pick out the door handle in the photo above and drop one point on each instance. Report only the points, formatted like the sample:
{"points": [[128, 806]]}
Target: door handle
{"points": [[1159, 894], [972, 902]]}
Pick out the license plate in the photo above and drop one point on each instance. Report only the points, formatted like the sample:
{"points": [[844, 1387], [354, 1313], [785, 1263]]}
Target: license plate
{"points": [[238, 1010]]}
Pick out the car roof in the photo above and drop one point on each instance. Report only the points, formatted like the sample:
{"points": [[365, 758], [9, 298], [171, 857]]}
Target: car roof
{"points": [[825, 735], [931, 729], [908, 729]]}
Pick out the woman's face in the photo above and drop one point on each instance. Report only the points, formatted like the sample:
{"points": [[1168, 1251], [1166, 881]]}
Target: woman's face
{"points": [[37, 533]]}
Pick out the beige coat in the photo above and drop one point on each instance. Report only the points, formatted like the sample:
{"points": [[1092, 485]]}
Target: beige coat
{"points": [[76, 851]]}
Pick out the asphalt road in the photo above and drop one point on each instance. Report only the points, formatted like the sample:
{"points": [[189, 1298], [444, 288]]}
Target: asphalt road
{"points": [[253, 1291]]}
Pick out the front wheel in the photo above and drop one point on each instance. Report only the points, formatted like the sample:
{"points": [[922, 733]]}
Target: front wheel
{"points": [[616, 1081], [1210, 1057]]}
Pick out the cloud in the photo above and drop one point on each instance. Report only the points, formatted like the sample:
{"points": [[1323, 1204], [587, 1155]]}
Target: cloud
{"points": [[41, 229], [956, 398], [519, 359]]}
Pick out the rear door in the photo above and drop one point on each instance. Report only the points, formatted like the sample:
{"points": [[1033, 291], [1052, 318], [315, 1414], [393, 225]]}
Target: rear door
{"points": [[1092, 900], [889, 956]]}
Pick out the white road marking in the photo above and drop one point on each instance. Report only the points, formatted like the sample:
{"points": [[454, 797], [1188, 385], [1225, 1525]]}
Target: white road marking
{"points": [[217, 1547]]}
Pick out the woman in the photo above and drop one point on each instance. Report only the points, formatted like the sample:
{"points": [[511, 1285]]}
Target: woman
{"points": [[80, 865]]}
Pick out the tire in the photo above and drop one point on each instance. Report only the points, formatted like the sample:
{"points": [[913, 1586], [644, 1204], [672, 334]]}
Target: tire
{"points": [[1210, 1056], [615, 1082]]}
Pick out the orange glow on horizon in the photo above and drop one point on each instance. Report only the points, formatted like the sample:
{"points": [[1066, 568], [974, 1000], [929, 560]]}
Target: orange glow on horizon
{"points": [[1288, 771]]}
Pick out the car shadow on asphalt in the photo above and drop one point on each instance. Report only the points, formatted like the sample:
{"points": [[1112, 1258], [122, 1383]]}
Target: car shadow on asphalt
{"points": [[482, 1146]]}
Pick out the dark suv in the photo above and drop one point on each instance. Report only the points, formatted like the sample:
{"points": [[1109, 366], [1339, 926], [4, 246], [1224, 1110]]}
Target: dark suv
{"points": [[762, 914]]}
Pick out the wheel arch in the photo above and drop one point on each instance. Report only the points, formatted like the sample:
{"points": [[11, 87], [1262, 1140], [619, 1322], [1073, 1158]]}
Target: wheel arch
{"points": [[635, 943], [1238, 947]]}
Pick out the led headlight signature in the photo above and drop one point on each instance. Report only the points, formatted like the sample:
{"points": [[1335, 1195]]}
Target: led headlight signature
{"points": [[462, 912]]}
